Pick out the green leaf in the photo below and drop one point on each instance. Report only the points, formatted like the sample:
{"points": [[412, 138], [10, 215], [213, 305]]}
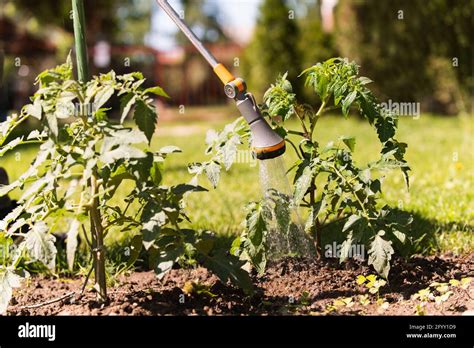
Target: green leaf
{"points": [[103, 95], [256, 225], [40, 245], [302, 185], [256, 236], [347, 102], [52, 122], [364, 80], [34, 109], [158, 91], [400, 236], [213, 170], [228, 267], [126, 104], [169, 149], [8, 281], [162, 261], [349, 142], [135, 248], [349, 225], [155, 173], [380, 253], [385, 128], [145, 118], [181, 189]]}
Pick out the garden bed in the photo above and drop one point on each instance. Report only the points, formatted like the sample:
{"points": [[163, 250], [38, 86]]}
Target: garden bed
{"points": [[290, 286]]}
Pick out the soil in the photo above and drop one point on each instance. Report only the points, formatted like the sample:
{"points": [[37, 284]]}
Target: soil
{"points": [[289, 286]]}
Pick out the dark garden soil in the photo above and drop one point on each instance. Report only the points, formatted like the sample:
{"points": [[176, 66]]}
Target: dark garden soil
{"points": [[290, 286]]}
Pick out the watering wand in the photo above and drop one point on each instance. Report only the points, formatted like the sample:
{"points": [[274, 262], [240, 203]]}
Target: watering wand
{"points": [[265, 142]]}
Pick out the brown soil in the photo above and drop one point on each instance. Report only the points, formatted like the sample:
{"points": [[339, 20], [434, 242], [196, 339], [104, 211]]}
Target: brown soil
{"points": [[281, 290]]}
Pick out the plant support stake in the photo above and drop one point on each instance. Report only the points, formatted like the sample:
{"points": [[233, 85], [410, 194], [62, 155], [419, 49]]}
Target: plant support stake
{"points": [[97, 231], [80, 40]]}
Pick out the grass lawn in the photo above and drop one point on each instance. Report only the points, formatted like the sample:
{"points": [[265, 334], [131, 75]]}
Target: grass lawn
{"points": [[440, 153]]}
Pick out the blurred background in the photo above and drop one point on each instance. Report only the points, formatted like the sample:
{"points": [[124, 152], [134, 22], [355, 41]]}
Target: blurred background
{"points": [[414, 50]]}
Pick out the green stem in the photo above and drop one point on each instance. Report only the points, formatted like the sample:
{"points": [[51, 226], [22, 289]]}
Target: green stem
{"points": [[80, 40], [98, 243], [318, 114]]}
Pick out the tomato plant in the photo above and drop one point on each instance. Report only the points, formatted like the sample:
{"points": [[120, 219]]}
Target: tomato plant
{"points": [[327, 183], [77, 178]]}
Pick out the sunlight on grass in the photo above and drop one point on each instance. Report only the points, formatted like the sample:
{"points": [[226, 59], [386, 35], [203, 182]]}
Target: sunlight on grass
{"points": [[440, 154]]}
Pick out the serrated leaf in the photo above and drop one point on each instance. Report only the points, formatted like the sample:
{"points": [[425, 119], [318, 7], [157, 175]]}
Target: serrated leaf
{"points": [[8, 281], [145, 118], [256, 235], [157, 91], [163, 261], [103, 95], [302, 185], [126, 104], [212, 171], [380, 253], [228, 267], [40, 245], [347, 102]]}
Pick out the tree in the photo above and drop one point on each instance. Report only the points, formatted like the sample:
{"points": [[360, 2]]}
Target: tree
{"points": [[203, 17], [106, 19], [401, 43], [273, 49], [315, 44]]}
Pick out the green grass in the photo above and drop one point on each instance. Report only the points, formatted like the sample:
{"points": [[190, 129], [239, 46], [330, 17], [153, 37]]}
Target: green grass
{"points": [[440, 153]]}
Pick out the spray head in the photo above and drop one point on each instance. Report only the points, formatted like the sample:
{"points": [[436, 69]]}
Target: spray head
{"points": [[266, 142]]}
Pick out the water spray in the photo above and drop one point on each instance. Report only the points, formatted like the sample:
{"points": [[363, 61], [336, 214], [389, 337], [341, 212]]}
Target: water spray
{"points": [[265, 142]]}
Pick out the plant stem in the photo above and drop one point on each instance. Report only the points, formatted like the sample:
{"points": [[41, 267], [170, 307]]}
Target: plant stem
{"points": [[80, 40], [317, 116], [97, 232]]}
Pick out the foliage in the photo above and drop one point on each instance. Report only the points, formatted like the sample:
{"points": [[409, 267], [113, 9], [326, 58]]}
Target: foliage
{"points": [[82, 161], [327, 183], [374, 33]]}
